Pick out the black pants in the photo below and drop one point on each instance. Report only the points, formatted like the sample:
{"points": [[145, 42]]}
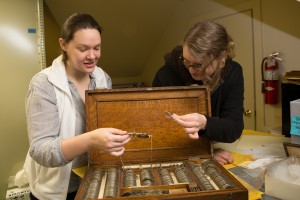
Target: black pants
{"points": [[70, 196]]}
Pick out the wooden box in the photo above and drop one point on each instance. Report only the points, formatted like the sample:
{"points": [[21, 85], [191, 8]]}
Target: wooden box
{"points": [[166, 164]]}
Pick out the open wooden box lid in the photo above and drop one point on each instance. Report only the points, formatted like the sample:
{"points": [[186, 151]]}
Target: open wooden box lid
{"points": [[143, 110]]}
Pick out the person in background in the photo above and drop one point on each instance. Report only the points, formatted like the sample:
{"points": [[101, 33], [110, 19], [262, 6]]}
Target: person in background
{"points": [[205, 58], [55, 110]]}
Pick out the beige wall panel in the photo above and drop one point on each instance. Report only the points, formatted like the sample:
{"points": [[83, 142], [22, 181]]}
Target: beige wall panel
{"points": [[18, 63]]}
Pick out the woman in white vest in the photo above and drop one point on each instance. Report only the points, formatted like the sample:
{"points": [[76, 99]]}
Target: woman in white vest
{"points": [[55, 109]]}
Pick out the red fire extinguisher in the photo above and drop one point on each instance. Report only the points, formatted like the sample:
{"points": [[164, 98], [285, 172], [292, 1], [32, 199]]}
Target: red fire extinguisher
{"points": [[270, 78]]}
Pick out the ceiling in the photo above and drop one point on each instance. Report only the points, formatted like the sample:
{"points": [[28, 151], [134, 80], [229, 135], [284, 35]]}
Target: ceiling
{"points": [[132, 28]]}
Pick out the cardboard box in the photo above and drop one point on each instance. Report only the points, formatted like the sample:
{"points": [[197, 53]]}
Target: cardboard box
{"points": [[295, 121], [165, 164]]}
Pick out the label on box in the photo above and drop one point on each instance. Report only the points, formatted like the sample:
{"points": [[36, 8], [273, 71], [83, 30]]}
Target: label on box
{"points": [[295, 125]]}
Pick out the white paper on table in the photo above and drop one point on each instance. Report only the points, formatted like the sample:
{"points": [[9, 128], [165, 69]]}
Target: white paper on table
{"points": [[252, 141]]}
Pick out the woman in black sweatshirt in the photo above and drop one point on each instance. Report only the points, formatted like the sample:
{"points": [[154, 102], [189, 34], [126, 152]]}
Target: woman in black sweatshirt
{"points": [[205, 58]]}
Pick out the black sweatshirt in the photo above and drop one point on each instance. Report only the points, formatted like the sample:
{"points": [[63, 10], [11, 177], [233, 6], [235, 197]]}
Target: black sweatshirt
{"points": [[227, 100]]}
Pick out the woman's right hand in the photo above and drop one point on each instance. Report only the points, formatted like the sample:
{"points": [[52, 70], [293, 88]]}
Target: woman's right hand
{"points": [[191, 123], [109, 140]]}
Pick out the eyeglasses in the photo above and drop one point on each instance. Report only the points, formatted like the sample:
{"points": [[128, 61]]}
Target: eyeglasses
{"points": [[195, 66], [187, 64]]}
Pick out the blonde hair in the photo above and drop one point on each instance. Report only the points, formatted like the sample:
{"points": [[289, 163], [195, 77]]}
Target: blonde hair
{"points": [[208, 40], [230, 48]]}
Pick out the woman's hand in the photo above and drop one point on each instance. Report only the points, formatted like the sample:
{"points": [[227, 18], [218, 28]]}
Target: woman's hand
{"points": [[223, 157], [191, 123], [110, 140]]}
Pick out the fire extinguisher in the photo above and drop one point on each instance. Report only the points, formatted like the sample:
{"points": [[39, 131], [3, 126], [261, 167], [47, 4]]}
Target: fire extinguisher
{"points": [[270, 78]]}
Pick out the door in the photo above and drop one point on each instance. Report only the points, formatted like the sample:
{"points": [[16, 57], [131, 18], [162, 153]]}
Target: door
{"points": [[239, 27]]}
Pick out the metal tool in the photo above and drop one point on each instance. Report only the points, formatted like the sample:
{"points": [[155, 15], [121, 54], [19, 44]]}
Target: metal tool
{"points": [[139, 135], [168, 115]]}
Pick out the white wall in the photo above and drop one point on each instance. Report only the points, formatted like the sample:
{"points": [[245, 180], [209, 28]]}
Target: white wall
{"points": [[18, 63]]}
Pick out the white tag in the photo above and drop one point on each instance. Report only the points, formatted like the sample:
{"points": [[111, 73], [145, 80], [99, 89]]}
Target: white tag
{"points": [[271, 62]]}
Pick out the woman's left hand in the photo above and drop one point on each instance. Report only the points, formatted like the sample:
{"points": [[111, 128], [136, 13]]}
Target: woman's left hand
{"points": [[191, 123], [223, 157]]}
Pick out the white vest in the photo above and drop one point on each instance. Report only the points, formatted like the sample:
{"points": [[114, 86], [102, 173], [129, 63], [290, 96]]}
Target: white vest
{"points": [[52, 183]]}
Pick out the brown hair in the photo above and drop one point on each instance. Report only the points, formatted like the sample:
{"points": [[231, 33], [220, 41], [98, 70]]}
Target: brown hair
{"points": [[208, 40], [75, 22]]}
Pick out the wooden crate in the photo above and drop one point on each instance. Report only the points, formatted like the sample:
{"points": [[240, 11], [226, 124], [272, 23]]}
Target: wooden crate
{"points": [[166, 165]]}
